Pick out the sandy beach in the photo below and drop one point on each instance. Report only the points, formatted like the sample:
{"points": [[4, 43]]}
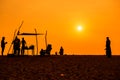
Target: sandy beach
{"points": [[67, 67]]}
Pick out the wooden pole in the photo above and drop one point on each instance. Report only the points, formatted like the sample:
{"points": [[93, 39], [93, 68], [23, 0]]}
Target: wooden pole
{"points": [[36, 42], [15, 34], [12, 41], [46, 39]]}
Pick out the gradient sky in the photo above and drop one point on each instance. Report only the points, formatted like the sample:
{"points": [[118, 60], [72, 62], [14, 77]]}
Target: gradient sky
{"points": [[99, 18]]}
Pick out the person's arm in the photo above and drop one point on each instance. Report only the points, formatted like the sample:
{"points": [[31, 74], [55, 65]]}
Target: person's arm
{"points": [[5, 42]]}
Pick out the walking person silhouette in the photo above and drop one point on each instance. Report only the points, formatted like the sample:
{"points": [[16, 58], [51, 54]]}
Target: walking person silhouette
{"points": [[3, 43], [108, 48]]}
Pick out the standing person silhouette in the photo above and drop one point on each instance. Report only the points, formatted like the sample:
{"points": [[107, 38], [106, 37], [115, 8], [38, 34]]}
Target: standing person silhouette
{"points": [[23, 46], [16, 46], [61, 51], [108, 48], [3, 43], [49, 48]]}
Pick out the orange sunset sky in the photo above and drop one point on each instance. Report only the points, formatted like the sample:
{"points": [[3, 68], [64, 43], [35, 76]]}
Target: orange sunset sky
{"points": [[98, 18]]}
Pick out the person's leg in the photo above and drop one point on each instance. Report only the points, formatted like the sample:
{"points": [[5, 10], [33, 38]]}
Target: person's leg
{"points": [[18, 51], [14, 51], [2, 50], [107, 53], [23, 51]]}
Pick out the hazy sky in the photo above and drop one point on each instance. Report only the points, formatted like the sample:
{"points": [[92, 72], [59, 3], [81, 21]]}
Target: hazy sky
{"points": [[99, 18]]}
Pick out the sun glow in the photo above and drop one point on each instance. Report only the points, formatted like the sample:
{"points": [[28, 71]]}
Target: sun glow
{"points": [[79, 28]]}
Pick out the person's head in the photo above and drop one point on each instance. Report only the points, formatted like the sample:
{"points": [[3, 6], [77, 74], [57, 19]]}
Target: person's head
{"points": [[16, 37], [3, 38], [107, 38], [22, 38]]}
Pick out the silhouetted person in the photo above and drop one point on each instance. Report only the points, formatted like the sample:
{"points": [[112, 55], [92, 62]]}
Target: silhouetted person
{"points": [[61, 51], [42, 52], [3, 43], [23, 46], [16, 46], [108, 48], [49, 48]]}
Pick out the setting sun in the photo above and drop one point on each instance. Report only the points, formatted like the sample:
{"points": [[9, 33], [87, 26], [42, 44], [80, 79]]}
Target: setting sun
{"points": [[79, 28]]}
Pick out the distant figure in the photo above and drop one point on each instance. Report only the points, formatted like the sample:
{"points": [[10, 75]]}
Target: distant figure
{"points": [[49, 48], [3, 43], [108, 48], [61, 51], [16, 46], [23, 46], [42, 52]]}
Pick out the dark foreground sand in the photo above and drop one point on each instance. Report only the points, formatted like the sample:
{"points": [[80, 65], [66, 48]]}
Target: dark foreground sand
{"points": [[60, 68]]}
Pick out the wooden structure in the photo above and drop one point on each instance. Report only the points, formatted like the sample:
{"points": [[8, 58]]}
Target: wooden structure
{"points": [[27, 34]]}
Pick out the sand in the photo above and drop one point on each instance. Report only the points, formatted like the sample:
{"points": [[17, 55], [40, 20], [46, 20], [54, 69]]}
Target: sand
{"points": [[60, 68]]}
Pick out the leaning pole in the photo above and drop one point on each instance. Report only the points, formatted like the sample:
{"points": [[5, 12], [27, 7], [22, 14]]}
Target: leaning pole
{"points": [[15, 34]]}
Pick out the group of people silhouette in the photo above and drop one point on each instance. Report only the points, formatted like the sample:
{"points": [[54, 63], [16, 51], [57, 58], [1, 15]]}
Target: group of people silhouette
{"points": [[17, 43], [48, 50], [16, 47], [61, 51]]}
